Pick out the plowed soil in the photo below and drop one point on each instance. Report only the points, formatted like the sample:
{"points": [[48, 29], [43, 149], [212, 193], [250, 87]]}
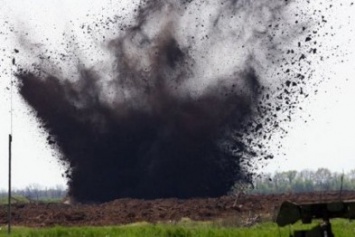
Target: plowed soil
{"points": [[124, 211]]}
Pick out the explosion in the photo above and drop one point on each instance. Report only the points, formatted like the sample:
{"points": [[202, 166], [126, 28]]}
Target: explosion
{"points": [[185, 106]]}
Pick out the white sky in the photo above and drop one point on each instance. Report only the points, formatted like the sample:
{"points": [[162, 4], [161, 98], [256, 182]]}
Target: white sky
{"points": [[326, 140]]}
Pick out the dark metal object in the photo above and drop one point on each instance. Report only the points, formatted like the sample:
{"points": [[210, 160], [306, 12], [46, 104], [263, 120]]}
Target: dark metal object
{"points": [[290, 212]]}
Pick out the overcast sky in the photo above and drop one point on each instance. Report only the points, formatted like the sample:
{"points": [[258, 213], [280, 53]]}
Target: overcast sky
{"points": [[327, 139]]}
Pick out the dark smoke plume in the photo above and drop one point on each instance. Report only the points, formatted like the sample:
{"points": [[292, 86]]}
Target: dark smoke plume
{"points": [[184, 109]]}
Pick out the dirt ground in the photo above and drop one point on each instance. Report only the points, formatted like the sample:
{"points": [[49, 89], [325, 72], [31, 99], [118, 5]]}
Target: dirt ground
{"points": [[122, 211]]}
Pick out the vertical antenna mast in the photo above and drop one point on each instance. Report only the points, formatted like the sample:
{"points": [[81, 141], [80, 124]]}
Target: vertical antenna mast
{"points": [[10, 152]]}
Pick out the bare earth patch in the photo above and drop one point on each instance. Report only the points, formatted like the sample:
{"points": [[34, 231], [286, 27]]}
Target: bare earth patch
{"points": [[245, 208]]}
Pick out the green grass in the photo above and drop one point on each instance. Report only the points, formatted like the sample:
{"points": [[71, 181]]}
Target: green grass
{"points": [[18, 199], [182, 229]]}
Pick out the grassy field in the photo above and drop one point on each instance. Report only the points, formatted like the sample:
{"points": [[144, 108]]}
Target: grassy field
{"points": [[21, 199], [16, 199], [186, 228]]}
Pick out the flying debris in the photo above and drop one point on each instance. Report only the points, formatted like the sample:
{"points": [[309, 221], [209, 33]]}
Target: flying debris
{"points": [[190, 98]]}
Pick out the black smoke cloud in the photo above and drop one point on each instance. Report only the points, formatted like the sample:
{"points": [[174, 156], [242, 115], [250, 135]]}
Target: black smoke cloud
{"points": [[183, 109]]}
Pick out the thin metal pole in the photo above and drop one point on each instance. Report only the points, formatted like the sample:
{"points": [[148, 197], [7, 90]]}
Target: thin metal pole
{"points": [[10, 152], [9, 191]]}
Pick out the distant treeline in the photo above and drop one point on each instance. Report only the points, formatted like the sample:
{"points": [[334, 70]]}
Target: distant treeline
{"points": [[304, 181], [35, 192], [279, 182]]}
